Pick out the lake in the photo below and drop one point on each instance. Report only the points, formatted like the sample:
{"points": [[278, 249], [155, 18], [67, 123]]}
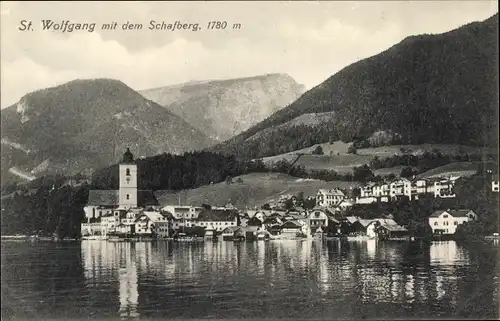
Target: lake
{"points": [[259, 280]]}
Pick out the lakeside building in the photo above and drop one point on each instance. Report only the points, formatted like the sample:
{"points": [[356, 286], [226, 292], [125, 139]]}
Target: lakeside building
{"points": [[446, 222]]}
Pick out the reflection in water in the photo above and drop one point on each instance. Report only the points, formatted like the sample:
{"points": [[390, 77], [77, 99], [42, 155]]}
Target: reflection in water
{"points": [[288, 279], [129, 294]]}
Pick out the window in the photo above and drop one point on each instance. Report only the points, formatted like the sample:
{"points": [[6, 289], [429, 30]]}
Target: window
{"points": [[455, 223], [127, 172], [445, 216], [436, 223], [128, 196]]}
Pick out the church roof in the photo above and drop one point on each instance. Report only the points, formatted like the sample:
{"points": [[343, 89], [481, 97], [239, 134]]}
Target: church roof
{"points": [[111, 198], [217, 215], [128, 157]]}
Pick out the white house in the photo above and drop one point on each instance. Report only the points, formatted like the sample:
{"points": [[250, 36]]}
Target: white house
{"points": [[380, 189], [148, 222], [494, 184], [400, 187], [329, 198], [367, 190], [217, 219], [184, 216], [442, 187], [418, 187], [446, 222], [317, 217]]}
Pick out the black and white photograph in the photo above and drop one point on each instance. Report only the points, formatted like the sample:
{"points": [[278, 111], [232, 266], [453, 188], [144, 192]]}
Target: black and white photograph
{"points": [[249, 160]]}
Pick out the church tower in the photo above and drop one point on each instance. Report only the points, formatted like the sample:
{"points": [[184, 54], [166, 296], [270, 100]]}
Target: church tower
{"points": [[128, 181]]}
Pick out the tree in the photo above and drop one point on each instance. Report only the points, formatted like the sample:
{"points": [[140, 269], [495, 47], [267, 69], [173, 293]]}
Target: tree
{"points": [[362, 173], [352, 150], [266, 207], [407, 172], [375, 163], [318, 150]]}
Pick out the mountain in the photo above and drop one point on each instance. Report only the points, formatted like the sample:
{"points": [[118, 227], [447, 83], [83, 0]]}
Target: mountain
{"points": [[223, 108], [439, 88], [87, 124]]}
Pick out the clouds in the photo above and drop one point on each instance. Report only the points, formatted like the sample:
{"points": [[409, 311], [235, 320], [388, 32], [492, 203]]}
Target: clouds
{"points": [[308, 40]]}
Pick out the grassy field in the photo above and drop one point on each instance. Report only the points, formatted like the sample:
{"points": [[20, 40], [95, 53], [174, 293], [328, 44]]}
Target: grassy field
{"points": [[335, 156], [256, 189], [454, 169]]}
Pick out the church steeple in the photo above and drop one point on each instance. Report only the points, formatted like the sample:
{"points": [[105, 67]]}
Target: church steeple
{"points": [[128, 157], [128, 181]]}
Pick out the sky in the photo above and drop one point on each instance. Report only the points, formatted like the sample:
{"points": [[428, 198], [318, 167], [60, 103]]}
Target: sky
{"points": [[310, 41]]}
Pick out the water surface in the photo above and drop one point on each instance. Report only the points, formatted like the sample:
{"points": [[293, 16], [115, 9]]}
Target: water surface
{"points": [[259, 280]]}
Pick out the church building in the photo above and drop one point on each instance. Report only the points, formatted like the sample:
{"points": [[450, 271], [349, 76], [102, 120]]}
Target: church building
{"points": [[114, 204]]}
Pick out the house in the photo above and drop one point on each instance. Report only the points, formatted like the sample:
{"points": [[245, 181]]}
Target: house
{"points": [[494, 184], [318, 218], [380, 189], [150, 223], [272, 221], [250, 232], [292, 229], [232, 232], [254, 221], [446, 222], [367, 190], [329, 198], [400, 187], [184, 216], [385, 228], [418, 188], [442, 187], [218, 219]]}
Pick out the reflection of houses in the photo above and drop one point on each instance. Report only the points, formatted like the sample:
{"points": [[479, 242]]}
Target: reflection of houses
{"points": [[232, 233], [218, 219], [446, 222], [329, 198]]}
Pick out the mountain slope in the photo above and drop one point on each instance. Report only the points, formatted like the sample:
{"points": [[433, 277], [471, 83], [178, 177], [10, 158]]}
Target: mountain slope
{"points": [[224, 108], [428, 89], [88, 124]]}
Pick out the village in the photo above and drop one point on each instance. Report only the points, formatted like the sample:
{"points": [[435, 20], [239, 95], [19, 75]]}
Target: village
{"points": [[130, 213]]}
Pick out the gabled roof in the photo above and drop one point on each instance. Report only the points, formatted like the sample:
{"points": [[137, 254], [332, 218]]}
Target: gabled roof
{"points": [[152, 216], [217, 215], [454, 213], [111, 198], [291, 224], [365, 222], [231, 229], [334, 191], [351, 219]]}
